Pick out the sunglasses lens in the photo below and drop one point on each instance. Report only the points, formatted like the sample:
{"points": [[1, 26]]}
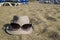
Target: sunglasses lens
{"points": [[15, 25], [26, 26]]}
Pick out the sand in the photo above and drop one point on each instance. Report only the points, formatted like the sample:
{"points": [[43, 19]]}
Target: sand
{"points": [[44, 17]]}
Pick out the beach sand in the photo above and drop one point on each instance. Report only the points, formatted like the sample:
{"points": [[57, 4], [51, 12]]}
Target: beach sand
{"points": [[44, 17]]}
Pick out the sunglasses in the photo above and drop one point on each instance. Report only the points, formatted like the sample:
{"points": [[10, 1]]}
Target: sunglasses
{"points": [[15, 26]]}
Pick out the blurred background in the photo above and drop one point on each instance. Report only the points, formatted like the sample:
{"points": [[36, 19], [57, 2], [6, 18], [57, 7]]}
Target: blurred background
{"points": [[44, 17]]}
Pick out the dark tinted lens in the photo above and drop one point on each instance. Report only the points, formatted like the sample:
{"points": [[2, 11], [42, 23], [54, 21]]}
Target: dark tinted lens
{"points": [[15, 25], [26, 26]]}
